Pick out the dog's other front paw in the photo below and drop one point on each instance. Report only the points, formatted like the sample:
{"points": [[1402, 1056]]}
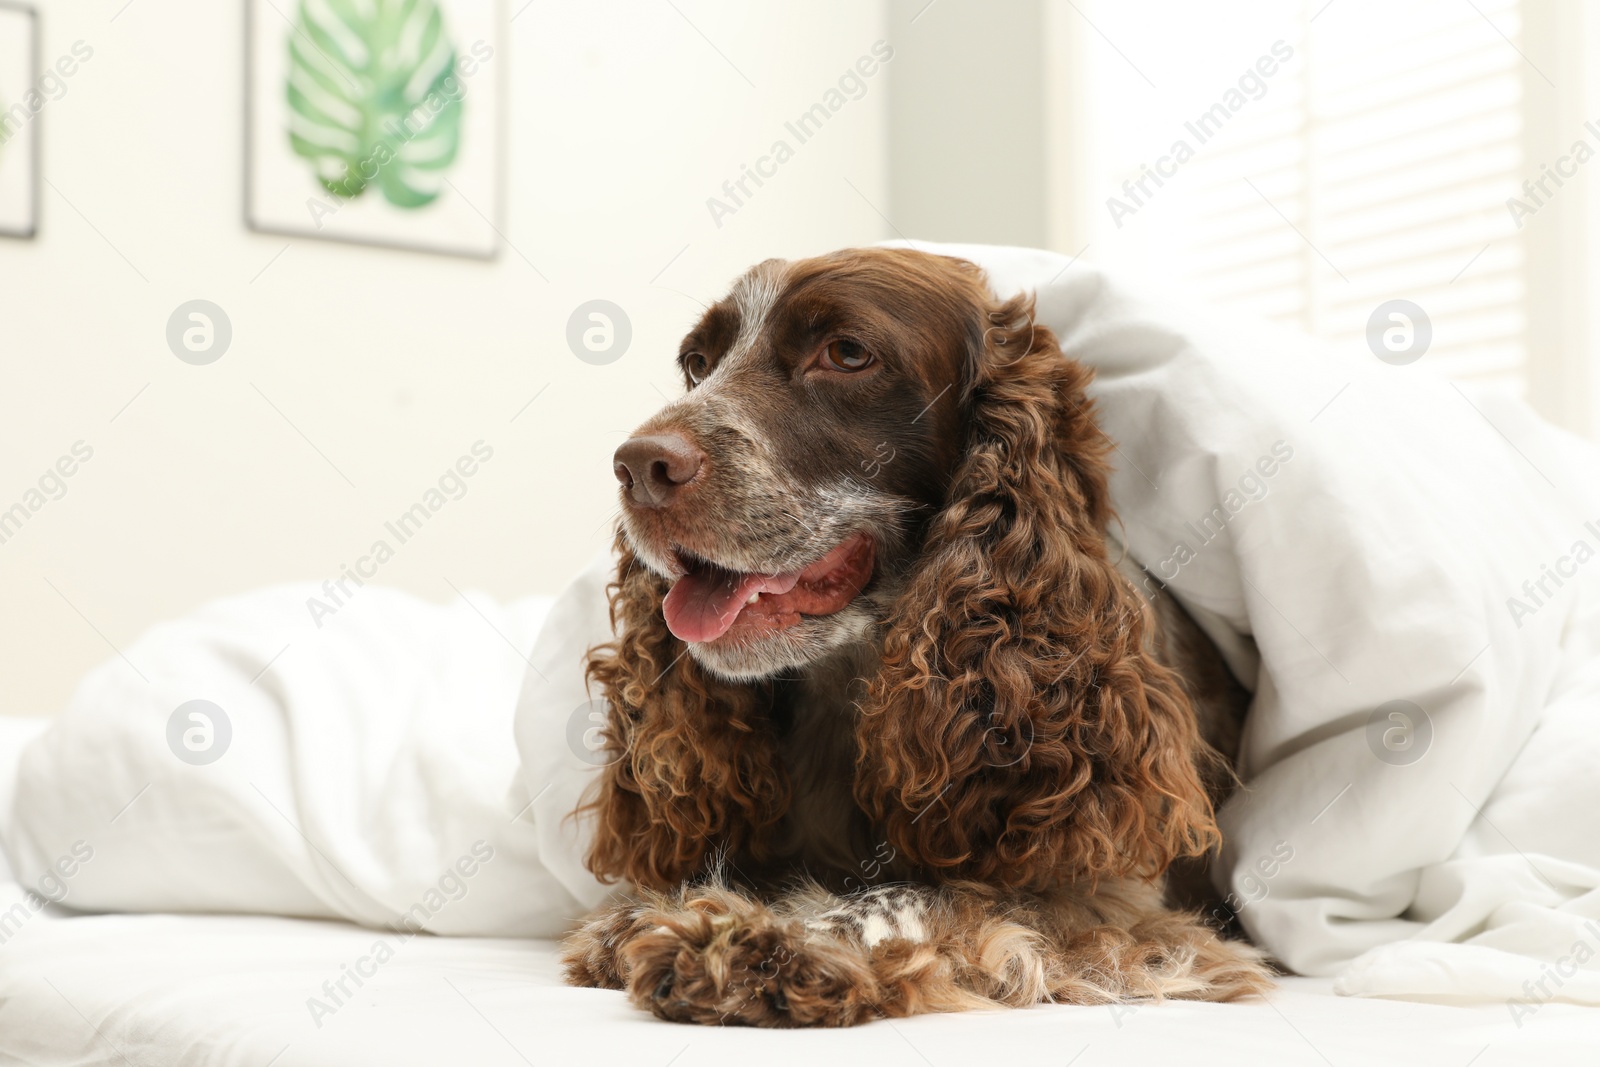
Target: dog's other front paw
{"points": [[591, 954], [721, 959]]}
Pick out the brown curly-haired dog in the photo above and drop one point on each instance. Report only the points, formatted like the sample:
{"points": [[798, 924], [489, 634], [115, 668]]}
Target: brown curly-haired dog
{"points": [[892, 731]]}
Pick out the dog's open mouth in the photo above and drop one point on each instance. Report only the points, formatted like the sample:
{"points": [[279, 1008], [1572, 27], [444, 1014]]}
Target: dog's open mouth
{"points": [[710, 600]]}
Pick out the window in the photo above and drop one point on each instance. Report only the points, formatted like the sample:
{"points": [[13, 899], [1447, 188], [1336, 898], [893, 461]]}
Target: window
{"points": [[1306, 163]]}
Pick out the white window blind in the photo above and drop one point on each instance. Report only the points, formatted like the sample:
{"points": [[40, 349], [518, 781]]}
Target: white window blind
{"points": [[1373, 164]]}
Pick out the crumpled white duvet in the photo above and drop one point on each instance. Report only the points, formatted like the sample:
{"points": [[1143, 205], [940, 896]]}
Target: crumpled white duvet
{"points": [[1406, 574], [1421, 580], [370, 773]]}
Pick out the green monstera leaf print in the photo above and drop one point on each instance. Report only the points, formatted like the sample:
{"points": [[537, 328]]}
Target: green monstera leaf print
{"points": [[374, 98]]}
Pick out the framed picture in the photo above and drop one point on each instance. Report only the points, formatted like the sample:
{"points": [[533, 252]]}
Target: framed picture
{"points": [[21, 100], [376, 122]]}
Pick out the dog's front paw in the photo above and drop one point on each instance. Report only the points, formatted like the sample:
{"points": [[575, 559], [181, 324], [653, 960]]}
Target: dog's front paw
{"points": [[592, 954], [721, 959]]}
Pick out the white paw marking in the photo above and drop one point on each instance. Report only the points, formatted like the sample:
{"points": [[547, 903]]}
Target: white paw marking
{"points": [[875, 929], [909, 920]]}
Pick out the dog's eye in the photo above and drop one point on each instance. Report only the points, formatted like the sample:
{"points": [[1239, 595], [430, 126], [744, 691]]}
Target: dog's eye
{"points": [[846, 355], [697, 366]]}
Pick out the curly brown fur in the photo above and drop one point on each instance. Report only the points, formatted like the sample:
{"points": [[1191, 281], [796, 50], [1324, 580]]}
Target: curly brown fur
{"points": [[1017, 630], [941, 682], [695, 766]]}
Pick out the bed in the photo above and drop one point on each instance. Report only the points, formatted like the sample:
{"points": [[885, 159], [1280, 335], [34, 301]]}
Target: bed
{"points": [[254, 991], [369, 760]]}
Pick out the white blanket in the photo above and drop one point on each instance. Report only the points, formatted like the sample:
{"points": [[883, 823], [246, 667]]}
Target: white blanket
{"points": [[1356, 536], [366, 770], [1419, 811]]}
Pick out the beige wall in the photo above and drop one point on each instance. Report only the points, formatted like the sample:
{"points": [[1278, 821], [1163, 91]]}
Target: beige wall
{"points": [[967, 134], [625, 116], [623, 120]]}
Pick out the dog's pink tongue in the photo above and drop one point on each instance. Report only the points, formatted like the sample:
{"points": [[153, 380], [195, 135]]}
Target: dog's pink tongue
{"points": [[703, 604]]}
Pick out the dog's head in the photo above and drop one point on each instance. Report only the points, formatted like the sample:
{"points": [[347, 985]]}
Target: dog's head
{"points": [[785, 495]]}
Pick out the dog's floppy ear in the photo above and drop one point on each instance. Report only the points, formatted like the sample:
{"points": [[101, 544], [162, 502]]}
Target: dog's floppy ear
{"points": [[693, 769], [1019, 731]]}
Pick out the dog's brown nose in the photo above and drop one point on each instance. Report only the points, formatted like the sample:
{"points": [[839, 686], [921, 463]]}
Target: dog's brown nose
{"points": [[654, 467]]}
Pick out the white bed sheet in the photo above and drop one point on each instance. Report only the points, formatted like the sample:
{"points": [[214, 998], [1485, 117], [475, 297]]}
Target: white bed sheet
{"points": [[193, 990], [234, 991]]}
